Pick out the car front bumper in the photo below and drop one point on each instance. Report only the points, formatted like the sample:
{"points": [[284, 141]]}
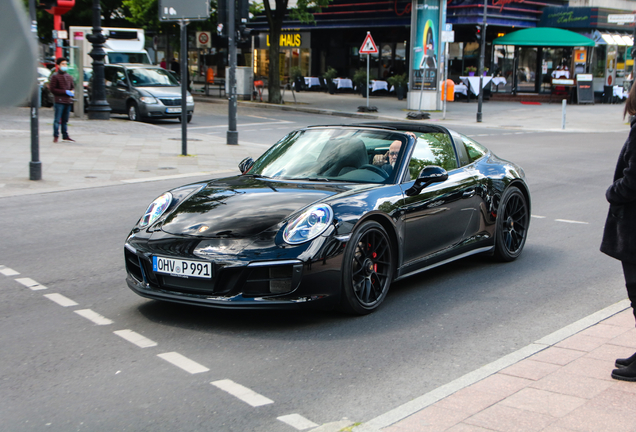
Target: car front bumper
{"points": [[244, 281]]}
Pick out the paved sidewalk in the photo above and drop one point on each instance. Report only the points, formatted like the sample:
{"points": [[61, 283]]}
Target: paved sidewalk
{"points": [[507, 115], [558, 384]]}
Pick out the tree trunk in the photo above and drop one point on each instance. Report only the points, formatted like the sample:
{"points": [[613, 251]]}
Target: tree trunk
{"points": [[273, 85]]}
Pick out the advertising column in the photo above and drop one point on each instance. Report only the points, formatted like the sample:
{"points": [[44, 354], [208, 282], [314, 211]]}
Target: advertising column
{"points": [[424, 59]]}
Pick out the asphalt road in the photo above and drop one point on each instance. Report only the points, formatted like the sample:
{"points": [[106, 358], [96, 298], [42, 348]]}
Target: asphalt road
{"points": [[61, 372]]}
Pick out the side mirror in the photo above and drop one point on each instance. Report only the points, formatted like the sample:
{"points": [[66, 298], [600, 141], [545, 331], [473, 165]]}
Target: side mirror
{"points": [[429, 175], [122, 84], [245, 165]]}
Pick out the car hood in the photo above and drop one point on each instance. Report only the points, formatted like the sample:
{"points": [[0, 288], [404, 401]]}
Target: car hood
{"points": [[244, 206], [160, 92]]}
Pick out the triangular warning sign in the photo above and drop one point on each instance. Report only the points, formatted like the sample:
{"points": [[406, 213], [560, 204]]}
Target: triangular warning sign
{"points": [[368, 46]]}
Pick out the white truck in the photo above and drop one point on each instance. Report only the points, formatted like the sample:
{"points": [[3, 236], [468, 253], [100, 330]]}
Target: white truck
{"points": [[123, 45]]}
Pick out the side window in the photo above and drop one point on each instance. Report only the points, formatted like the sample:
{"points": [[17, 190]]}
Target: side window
{"points": [[432, 149], [109, 76], [474, 149], [120, 76]]}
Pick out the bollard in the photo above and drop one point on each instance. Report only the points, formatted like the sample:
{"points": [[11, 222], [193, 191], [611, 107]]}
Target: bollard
{"points": [[563, 104]]}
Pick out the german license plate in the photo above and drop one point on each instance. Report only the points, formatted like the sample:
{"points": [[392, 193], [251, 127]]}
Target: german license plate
{"points": [[171, 266], [173, 110]]}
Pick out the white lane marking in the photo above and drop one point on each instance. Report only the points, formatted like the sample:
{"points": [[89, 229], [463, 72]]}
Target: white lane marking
{"points": [[571, 221], [93, 316], [243, 393], [136, 338], [183, 362], [297, 421], [537, 216], [242, 125], [31, 284], [60, 299], [7, 271]]}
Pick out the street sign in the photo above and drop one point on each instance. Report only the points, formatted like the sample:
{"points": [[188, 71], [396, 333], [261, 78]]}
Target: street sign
{"points": [[204, 39], [177, 10], [620, 18], [448, 36], [368, 46]]}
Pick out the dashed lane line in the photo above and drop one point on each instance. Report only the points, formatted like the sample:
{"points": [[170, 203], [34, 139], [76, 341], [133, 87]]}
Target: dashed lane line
{"points": [[31, 284], [183, 362], [243, 393], [571, 221], [60, 299], [93, 316], [135, 338], [537, 216], [297, 421], [8, 271]]}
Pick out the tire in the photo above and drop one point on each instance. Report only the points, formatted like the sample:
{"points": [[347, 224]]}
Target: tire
{"points": [[189, 118], [367, 269], [133, 112], [511, 228]]}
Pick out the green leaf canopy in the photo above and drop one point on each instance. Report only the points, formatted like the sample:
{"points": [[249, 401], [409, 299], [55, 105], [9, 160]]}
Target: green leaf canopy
{"points": [[544, 36]]}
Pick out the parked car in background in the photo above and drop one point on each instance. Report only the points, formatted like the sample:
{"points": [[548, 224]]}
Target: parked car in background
{"points": [[46, 97], [143, 92]]}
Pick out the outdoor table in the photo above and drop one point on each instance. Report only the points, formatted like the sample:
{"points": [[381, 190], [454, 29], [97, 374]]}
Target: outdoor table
{"points": [[499, 80], [312, 81], [378, 85], [472, 82], [461, 88], [343, 83]]}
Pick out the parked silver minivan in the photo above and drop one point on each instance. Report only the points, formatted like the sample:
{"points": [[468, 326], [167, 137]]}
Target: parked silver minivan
{"points": [[144, 92]]}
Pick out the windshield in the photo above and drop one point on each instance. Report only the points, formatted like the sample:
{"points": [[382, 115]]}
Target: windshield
{"points": [[151, 77], [352, 155], [130, 57]]}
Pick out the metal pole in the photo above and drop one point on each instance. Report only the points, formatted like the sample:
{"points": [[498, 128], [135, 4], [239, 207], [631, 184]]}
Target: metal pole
{"points": [[368, 55], [232, 133], [35, 166], [184, 87], [564, 103], [99, 108], [481, 62], [445, 86]]}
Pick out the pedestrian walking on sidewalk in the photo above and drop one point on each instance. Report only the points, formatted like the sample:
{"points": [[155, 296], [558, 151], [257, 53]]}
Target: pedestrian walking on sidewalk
{"points": [[619, 236], [62, 87]]}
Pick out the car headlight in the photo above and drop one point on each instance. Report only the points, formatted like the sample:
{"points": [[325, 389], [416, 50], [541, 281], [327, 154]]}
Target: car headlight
{"points": [[189, 99], [156, 209], [148, 100], [309, 224]]}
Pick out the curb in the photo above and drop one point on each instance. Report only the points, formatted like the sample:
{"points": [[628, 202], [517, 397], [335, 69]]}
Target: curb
{"points": [[307, 110]]}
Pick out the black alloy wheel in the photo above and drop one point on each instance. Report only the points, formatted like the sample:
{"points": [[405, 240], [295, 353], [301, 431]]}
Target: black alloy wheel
{"points": [[367, 269], [133, 112], [512, 225]]}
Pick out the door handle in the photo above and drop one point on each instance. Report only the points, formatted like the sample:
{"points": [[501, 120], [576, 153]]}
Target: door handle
{"points": [[468, 193]]}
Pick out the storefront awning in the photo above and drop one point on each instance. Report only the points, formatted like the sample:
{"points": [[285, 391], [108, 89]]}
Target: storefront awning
{"points": [[612, 39], [544, 36]]}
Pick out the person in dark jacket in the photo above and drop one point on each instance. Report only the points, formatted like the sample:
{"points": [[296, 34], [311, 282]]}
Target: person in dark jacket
{"points": [[62, 87], [619, 236]]}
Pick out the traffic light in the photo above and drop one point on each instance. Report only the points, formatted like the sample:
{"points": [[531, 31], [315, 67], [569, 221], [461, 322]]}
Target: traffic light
{"points": [[242, 16], [478, 33]]}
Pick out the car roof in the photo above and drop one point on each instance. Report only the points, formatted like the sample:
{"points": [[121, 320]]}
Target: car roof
{"points": [[135, 65], [393, 126]]}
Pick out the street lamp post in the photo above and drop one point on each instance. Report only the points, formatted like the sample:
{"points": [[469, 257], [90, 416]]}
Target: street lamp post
{"points": [[98, 108], [482, 60]]}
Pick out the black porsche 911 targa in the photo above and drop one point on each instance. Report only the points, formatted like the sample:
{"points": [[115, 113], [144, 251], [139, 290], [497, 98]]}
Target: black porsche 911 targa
{"points": [[330, 216]]}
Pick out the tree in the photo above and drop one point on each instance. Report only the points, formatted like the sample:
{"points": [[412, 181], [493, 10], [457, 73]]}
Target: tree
{"points": [[302, 12]]}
